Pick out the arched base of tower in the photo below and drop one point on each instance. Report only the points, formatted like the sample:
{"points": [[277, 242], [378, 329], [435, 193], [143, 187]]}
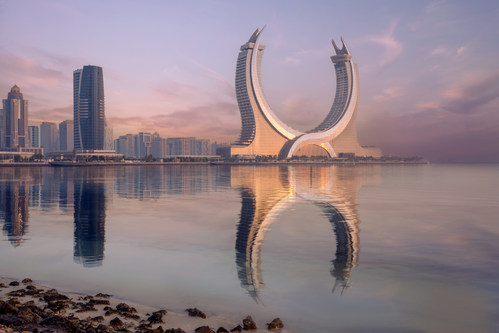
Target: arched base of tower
{"points": [[312, 150]]}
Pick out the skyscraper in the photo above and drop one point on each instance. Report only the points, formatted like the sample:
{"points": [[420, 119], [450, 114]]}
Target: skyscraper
{"points": [[89, 118], [263, 133], [15, 120], [49, 137], [66, 136], [34, 136]]}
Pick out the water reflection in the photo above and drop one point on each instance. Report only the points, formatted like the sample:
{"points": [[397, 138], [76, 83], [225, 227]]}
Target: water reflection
{"points": [[265, 193], [14, 212], [89, 220]]}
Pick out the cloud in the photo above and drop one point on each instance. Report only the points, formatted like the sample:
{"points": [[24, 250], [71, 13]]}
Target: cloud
{"points": [[27, 73], [54, 115], [448, 51], [218, 120], [388, 94], [461, 125], [393, 48]]}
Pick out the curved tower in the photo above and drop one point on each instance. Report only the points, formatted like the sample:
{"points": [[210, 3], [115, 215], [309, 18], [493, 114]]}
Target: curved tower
{"points": [[263, 133]]}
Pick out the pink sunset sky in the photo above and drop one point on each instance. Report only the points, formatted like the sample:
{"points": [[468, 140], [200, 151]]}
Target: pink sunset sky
{"points": [[429, 73]]}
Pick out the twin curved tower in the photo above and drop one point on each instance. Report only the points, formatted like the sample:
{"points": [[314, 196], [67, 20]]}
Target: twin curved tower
{"points": [[263, 133]]}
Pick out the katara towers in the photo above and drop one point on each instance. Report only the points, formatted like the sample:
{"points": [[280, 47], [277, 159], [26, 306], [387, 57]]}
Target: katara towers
{"points": [[263, 133]]}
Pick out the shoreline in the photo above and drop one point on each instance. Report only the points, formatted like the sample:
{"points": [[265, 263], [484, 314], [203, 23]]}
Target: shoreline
{"points": [[248, 163], [26, 306]]}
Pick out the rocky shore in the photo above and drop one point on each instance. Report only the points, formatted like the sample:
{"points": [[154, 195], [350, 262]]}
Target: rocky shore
{"points": [[26, 307]]}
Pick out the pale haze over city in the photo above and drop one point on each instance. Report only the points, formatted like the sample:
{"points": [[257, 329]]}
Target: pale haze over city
{"points": [[428, 70]]}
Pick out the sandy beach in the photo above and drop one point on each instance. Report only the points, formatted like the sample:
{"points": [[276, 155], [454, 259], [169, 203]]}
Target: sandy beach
{"points": [[26, 306]]}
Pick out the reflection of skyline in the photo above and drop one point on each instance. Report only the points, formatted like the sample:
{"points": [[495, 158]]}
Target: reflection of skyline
{"points": [[265, 194], [89, 220], [14, 211]]}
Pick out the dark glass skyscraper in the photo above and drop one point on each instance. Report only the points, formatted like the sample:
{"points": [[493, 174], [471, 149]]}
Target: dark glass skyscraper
{"points": [[89, 119]]}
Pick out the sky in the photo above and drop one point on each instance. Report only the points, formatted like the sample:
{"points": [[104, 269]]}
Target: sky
{"points": [[429, 73]]}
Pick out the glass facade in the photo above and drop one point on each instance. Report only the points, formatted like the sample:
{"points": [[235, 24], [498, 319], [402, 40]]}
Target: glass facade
{"points": [[89, 118]]}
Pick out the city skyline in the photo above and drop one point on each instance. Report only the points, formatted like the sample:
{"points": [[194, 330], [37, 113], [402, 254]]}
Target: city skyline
{"points": [[422, 90]]}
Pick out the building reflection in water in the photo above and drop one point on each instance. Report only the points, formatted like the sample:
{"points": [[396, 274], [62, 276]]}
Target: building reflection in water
{"points": [[265, 193], [89, 219], [14, 202]]}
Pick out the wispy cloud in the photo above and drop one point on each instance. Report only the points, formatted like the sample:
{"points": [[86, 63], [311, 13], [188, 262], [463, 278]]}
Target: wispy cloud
{"points": [[393, 47], [219, 120], [388, 94]]}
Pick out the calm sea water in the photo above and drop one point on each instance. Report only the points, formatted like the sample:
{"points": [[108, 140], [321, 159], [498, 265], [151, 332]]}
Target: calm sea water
{"points": [[326, 248]]}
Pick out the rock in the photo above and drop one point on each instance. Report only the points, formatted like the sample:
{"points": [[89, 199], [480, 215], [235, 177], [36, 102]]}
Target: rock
{"points": [[84, 307], [31, 287], [7, 308], [90, 329], [204, 329], [116, 323], [157, 317], [29, 315], [60, 322], [97, 320], [130, 316], [14, 283], [27, 281], [104, 329], [99, 301], [2, 286], [13, 321], [195, 312], [174, 330], [52, 297], [238, 328], [123, 307], [275, 324], [101, 295], [17, 293], [249, 324], [222, 330]]}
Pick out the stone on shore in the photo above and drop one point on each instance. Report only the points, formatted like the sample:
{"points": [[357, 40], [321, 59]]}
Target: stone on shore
{"points": [[249, 324], [204, 329], [222, 330], [116, 323], [238, 328], [157, 317], [174, 330], [27, 281], [195, 312], [275, 324]]}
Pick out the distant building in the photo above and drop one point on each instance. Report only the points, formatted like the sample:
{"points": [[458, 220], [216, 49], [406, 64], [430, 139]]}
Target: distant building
{"points": [[49, 137], [89, 117], [158, 146], [108, 138], [34, 136], [66, 135], [1, 128], [142, 144], [15, 120], [125, 145]]}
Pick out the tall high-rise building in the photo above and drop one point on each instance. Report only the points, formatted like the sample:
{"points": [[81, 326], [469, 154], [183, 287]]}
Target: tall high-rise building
{"points": [[158, 146], [89, 118], [263, 133], [66, 136], [108, 137], [34, 136], [142, 144], [125, 145], [49, 137], [15, 120]]}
